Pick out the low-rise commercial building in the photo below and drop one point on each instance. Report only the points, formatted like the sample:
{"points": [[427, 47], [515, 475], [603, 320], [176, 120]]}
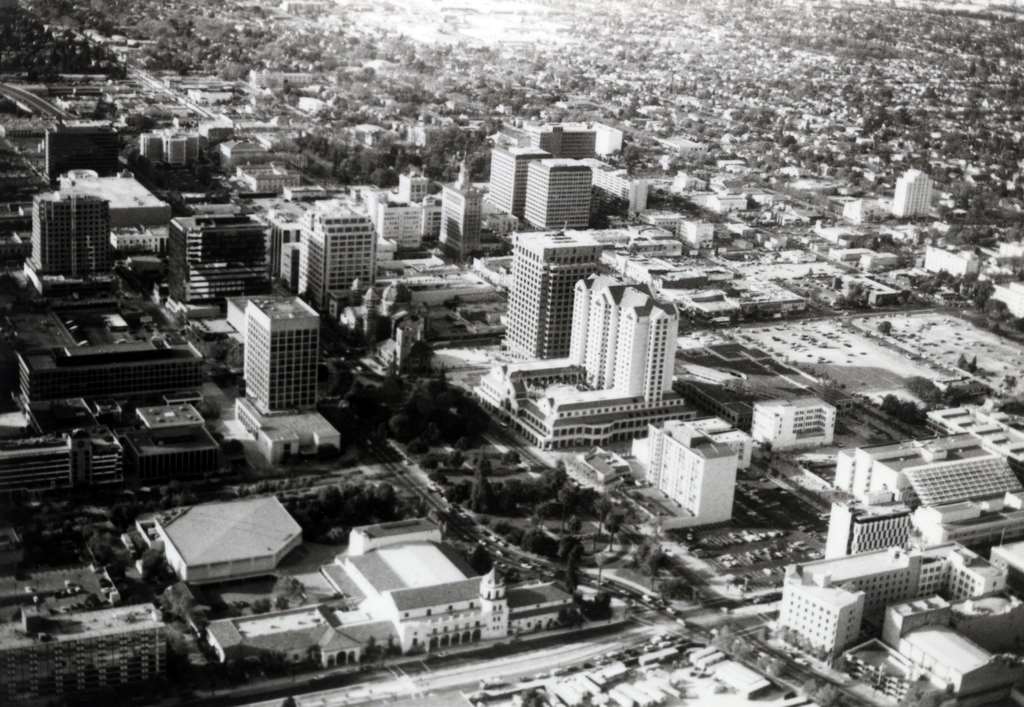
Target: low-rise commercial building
{"points": [[91, 457], [793, 424], [108, 371], [929, 472], [598, 469], [172, 444], [955, 262], [267, 179], [992, 429], [131, 204]]}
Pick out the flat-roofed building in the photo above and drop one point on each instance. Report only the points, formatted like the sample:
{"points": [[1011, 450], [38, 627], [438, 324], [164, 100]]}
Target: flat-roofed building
{"points": [[957, 263], [930, 472], [218, 542], [509, 171], [972, 523], [913, 195], [214, 257], [70, 237], [338, 248], [611, 183], [856, 527], [1012, 295], [570, 140], [130, 203], [282, 349], [825, 601], [171, 444], [993, 429], [108, 371], [697, 474], [91, 457], [599, 469], [270, 178], [793, 424], [66, 657], [367, 538], [545, 269], [82, 145], [558, 193], [461, 216]]}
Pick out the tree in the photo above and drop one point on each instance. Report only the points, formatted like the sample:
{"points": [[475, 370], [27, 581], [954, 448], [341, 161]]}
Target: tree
{"points": [[281, 602], [613, 525], [480, 559], [261, 606], [482, 498], [885, 327], [152, 559], [602, 507]]}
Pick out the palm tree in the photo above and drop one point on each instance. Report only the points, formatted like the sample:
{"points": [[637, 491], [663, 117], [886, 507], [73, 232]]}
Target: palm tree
{"points": [[613, 525], [602, 507]]}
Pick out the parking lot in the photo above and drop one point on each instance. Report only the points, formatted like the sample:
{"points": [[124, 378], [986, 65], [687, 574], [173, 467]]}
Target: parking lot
{"points": [[938, 340], [858, 363]]}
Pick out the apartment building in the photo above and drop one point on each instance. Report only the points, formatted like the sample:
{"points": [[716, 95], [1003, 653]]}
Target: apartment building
{"points": [[793, 424], [53, 657], [558, 194], [545, 269], [693, 471], [913, 195]]}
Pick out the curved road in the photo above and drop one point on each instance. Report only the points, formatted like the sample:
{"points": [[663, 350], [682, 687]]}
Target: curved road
{"points": [[31, 101]]}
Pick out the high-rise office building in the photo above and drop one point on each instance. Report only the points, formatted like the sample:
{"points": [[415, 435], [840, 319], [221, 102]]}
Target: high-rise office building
{"points": [[623, 337], [461, 206], [545, 269], [574, 141], [339, 246], [913, 194], [74, 146], [282, 343], [558, 194], [509, 170], [70, 235], [213, 257]]}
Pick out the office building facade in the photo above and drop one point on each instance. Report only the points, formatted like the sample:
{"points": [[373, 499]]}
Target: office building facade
{"points": [[509, 171], [282, 345], [214, 257], [339, 246], [81, 146], [793, 424], [545, 270], [70, 235], [83, 458], [569, 140], [461, 214], [558, 194]]}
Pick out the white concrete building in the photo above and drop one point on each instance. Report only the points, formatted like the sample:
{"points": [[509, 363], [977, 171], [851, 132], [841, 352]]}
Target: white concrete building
{"points": [[698, 234], [558, 193], [608, 139], [217, 542], [993, 429], [956, 262], [338, 247], [824, 602], [794, 424], [461, 216], [693, 471], [412, 188], [913, 195], [930, 472], [1012, 295], [623, 337], [282, 349], [612, 183], [855, 527], [509, 172], [545, 269]]}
